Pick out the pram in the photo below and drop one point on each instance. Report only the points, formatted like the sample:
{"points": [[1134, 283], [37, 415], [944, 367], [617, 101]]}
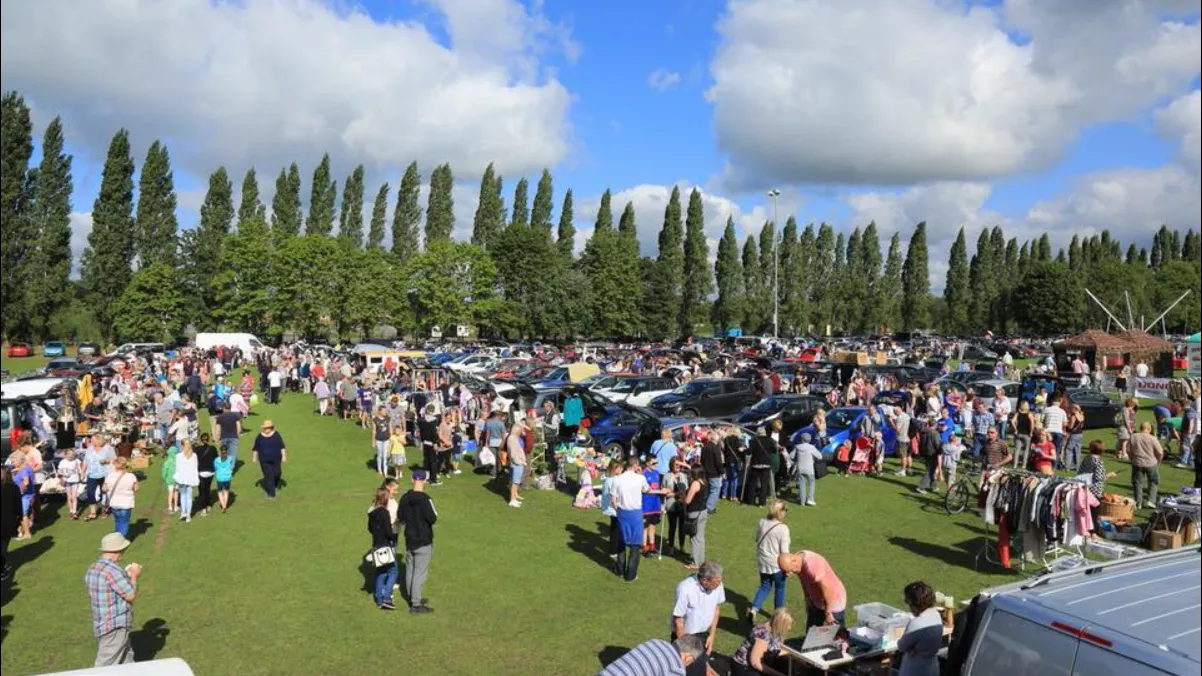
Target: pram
{"points": [[861, 457]]}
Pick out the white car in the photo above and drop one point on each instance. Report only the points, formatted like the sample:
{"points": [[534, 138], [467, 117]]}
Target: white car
{"points": [[639, 390], [472, 363]]}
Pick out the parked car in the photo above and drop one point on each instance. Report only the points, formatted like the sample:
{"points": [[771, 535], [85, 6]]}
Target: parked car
{"points": [[843, 424], [1098, 408], [706, 397], [53, 348], [793, 410], [17, 398], [62, 363], [638, 390], [19, 350], [87, 349], [975, 352], [614, 433], [1134, 616], [987, 390], [680, 428]]}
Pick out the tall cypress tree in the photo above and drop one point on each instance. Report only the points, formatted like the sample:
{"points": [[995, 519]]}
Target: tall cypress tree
{"points": [[323, 194], [155, 225], [982, 282], [599, 252], [490, 210], [216, 213], [544, 204], [854, 293], [768, 287], [698, 281], [106, 267], [379, 220], [1043, 252], [521, 204], [789, 277], [50, 214], [823, 288], [889, 290], [408, 215], [728, 273], [916, 282], [286, 204], [956, 291], [869, 279], [628, 284], [249, 206], [350, 219], [440, 209], [16, 235], [565, 238], [669, 275], [800, 273], [753, 309]]}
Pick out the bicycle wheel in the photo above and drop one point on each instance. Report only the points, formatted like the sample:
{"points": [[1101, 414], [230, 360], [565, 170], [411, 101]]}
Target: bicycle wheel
{"points": [[957, 498]]}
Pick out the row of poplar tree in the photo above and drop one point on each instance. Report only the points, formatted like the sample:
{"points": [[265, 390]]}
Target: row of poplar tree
{"points": [[325, 272]]}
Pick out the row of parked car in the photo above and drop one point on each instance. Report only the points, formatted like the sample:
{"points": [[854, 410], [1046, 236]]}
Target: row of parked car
{"points": [[52, 348]]}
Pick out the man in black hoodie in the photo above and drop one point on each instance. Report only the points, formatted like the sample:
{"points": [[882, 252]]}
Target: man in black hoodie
{"points": [[416, 512]]}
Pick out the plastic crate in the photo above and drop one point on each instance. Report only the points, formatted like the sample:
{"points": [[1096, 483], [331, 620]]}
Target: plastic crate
{"points": [[867, 613]]}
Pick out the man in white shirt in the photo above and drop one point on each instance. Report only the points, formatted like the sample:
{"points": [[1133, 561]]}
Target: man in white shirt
{"points": [[698, 606], [1141, 370], [627, 489], [275, 384], [1054, 418]]}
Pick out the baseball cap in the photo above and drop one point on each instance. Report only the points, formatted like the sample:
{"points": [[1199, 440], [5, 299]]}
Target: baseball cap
{"points": [[419, 475], [113, 542]]}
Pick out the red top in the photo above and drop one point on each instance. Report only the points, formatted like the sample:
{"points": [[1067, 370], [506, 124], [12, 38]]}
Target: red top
{"points": [[1044, 455]]}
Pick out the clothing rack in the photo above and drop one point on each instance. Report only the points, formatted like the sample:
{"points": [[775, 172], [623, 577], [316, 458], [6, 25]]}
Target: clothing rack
{"points": [[987, 549]]}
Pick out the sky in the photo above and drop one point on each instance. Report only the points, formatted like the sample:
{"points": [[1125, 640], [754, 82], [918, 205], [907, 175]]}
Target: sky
{"points": [[1057, 116]]}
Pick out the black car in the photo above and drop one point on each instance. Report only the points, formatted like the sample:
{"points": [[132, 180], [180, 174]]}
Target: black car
{"points": [[974, 352], [1098, 408], [706, 397], [793, 410]]}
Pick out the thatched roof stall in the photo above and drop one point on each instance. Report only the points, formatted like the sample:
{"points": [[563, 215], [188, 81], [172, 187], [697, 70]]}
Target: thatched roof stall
{"points": [[1157, 353], [1094, 346]]}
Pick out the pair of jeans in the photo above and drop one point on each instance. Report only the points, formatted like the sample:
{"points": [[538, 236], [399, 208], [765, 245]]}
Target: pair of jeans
{"points": [[1001, 429], [231, 448], [430, 461], [1072, 452], [1022, 451], [121, 521], [730, 486], [615, 537], [770, 582], [274, 395], [928, 474], [271, 477], [206, 492], [382, 456], [1140, 475], [978, 443], [807, 489], [1057, 439], [185, 500], [759, 485], [628, 562], [711, 500], [386, 577], [417, 569], [676, 528], [698, 540]]}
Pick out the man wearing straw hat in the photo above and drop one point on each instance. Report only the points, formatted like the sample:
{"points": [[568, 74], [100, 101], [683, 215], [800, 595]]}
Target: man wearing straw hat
{"points": [[112, 590], [270, 453]]}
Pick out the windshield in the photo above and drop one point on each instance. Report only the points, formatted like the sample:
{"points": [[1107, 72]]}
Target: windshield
{"points": [[625, 386], [689, 389], [557, 374], [841, 419], [596, 379], [770, 405]]}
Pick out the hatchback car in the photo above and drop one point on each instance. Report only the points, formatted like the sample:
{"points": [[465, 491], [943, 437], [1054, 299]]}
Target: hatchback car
{"points": [[53, 348], [708, 397], [19, 350]]}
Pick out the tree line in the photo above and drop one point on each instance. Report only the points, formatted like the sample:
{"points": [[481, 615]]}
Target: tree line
{"points": [[325, 272]]}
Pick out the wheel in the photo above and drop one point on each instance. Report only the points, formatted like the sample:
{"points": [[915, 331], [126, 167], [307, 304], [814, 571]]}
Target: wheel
{"points": [[957, 499], [615, 451], [688, 413]]}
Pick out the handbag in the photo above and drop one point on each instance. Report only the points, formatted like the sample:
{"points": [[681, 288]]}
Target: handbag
{"points": [[689, 527], [381, 556]]}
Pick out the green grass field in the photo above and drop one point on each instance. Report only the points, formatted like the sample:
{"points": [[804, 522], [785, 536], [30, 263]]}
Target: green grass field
{"points": [[276, 587]]}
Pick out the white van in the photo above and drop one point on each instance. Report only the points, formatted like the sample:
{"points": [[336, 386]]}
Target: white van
{"points": [[247, 342], [1130, 617]]}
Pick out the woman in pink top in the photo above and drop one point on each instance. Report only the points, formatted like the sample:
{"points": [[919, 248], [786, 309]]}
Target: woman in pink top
{"points": [[826, 599]]}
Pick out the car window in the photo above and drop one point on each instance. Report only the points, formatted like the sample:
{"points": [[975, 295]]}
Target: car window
{"points": [[1011, 645], [797, 408], [733, 387], [1095, 661], [1011, 391], [4, 423]]}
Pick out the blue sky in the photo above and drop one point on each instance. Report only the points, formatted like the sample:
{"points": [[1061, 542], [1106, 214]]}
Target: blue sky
{"points": [[1042, 117]]}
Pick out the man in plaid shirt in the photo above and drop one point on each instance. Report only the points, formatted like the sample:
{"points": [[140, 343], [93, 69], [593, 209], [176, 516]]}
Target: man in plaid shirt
{"points": [[112, 590]]}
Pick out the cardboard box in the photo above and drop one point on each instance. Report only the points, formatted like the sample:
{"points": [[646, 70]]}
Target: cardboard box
{"points": [[142, 462], [1160, 540]]}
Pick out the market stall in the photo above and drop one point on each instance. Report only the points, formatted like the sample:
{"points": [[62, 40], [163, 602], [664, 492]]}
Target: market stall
{"points": [[1193, 346]]}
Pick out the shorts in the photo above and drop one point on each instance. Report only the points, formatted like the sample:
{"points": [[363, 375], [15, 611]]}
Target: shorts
{"points": [[223, 486], [516, 472], [26, 504], [651, 519]]}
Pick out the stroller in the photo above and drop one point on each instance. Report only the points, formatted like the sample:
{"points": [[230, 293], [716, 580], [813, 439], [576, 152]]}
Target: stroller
{"points": [[861, 458]]}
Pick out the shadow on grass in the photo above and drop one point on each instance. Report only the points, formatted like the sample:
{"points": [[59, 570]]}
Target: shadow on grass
{"points": [[5, 620], [49, 511], [148, 641], [610, 654], [593, 544], [139, 528], [963, 554], [28, 552]]}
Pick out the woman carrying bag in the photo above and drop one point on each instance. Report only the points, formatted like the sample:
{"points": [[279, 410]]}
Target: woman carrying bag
{"points": [[382, 555], [696, 514]]}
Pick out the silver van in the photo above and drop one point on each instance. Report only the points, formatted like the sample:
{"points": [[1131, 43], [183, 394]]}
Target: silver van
{"points": [[1132, 617]]}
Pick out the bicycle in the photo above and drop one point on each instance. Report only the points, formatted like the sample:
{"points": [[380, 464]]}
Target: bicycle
{"points": [[963, 491]]}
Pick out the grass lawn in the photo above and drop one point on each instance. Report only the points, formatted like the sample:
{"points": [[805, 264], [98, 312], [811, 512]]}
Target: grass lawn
{"points": [[277, 587]]}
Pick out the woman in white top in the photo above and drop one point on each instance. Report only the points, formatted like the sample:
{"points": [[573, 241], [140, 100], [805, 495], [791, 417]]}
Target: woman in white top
{"points": [[187, 478], [771, 540]]}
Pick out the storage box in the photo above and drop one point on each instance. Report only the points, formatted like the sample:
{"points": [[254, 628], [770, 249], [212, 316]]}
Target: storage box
{"points": [[869, 613], [141, 462], [1160, 540]]}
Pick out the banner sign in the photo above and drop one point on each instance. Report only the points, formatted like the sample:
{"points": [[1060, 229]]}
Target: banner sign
{"points": [[1151, 388]]}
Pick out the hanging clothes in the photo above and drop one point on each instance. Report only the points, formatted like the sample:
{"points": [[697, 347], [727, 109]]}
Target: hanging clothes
{"points": [[573, 411]]}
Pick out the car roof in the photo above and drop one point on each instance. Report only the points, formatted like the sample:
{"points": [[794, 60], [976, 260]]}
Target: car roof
{"points": [[34, 388], [996, 382], [1152, 599]]}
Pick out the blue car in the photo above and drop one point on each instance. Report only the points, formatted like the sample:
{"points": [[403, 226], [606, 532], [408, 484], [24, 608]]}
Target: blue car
{"points": [[843, 424], [54, 348]]}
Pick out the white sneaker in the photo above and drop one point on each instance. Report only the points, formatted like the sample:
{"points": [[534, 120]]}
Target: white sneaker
{"points": [[1150, 505], [514, 503], [920, 491], [458, 471], [900, 472], [811, 503]]}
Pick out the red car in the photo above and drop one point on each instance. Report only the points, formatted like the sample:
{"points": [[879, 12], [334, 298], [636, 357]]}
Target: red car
{"points": [[19, 350]]}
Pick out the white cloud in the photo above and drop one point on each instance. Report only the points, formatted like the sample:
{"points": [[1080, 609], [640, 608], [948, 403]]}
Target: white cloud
{"points": [[863, 92], [81, 226], [662, 79], [1183, 119], [268, 82]]}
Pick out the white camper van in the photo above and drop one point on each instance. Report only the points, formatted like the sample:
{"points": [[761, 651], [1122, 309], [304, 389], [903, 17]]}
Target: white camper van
{"points": [[247, 342]]}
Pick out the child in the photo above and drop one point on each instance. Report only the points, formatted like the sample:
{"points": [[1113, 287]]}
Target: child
{"points": [[608, 509], [68, 474], [169, 480], [223, 473], [396, 451], [586, 497], [652, 505], [949, 457], [456, 447]]}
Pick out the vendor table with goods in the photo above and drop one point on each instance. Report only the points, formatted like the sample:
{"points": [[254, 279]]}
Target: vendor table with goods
{"points": [[869, 648]]}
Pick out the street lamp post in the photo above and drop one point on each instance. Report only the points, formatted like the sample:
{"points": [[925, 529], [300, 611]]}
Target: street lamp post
{"points": [[774, 194]]}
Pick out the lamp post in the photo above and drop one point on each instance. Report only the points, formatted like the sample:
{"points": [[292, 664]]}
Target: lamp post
{"points": [[774, 194]]}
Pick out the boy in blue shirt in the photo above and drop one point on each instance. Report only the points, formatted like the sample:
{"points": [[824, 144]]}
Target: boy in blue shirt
{"points": [[652, 505]]}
